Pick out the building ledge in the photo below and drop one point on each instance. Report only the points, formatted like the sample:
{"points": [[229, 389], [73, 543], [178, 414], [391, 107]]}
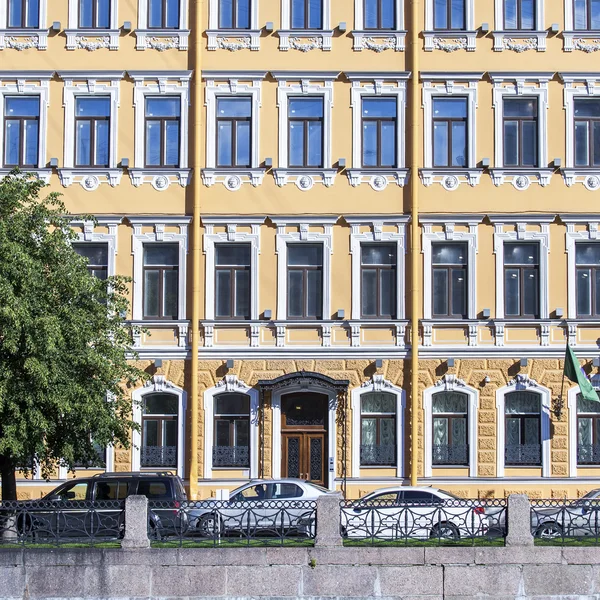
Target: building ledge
{"points": [[92, 39], [161, 39], [589, 177], [24, 39], [378, 179], [304, 178], [586, 41], [450, 179], [160, 178], [378, 41], [520, 40], [450, 40], [89, 178], [41, 174], [233, 39], [305, 40], [521, 178], [233, 179]]}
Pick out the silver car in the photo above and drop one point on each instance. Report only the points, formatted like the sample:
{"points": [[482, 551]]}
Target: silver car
{"points": [[261, 506]]}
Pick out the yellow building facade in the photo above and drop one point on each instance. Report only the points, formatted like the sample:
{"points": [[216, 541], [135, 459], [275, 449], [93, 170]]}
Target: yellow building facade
{"points": [[259, 169]]}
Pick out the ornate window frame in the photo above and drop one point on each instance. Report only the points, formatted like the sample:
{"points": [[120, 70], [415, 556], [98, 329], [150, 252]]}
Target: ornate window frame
{"points": [[304, 40], [577, 85], [232, 236], [378, 40], [520, 233], [430, 237], [450, 40], [449, 383], [521, 84], [377, 235], [523, 383], [88, 234], [232, 178], [578, 39], [159, 384], [447, 85], [91, 38], [232, 39], [160, 83], [23, 39], [377, 84], [161, 39], [304, 83], [79, 84], [159, 235], [519, 40], [28, 83], [303, 235], [377, 384], [230, 384]]}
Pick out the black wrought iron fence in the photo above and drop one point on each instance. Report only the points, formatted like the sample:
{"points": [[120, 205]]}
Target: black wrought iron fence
{"points": [[56, 523], [210, 523], [454, 522], [566, 522]]}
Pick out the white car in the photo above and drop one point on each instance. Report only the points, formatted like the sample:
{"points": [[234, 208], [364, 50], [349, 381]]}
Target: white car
{"points": [[401, 513]]}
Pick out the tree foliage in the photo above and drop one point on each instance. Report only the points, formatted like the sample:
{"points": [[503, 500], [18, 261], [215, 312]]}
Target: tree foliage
{"points": [[64, 347]]}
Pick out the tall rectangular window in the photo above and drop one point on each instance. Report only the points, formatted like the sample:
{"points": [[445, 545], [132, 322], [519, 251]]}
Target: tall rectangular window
{"points": [[305, 281], [97, 257], [379, 14], [586, 15], [307, 14], [92, 131], [231, 431], [522, 429], [305, 135], [449, 265], [159, 431], [450, 429], [378, 281], [449, 14], [379, 132], [587, 258], [588, 431], [163, 128], [587, 132], [520, 132], [232, 281], [519, 14], [161, 281], [450, 132], [378, 429], [21, 131], [521, 280], [234, 14], [234, 123], [163, 14], [23, 14], [94, 14]]}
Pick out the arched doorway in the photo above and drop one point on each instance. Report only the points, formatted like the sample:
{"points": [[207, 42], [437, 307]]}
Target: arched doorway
{"points": [[304, 421]]}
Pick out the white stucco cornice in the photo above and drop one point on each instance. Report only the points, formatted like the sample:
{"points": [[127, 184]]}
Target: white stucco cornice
{"points": [[501, 76], [226, 75], [522, 218], [97, 75], [228, 219], [385, 219], [580, 218], [27, 75], [164, 219], [578, 76], [100, 220], [371, 75], [314, 220], [155, 75], [442, 219], [310, 75], [450, 76]]}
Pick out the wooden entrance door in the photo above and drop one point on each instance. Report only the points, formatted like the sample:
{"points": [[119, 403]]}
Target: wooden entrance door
{"points": [[304, 437]]}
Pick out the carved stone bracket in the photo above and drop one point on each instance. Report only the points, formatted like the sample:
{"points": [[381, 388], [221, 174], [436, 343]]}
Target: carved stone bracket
{"points": [[378, 382], [522, 382], [231, 383], [450, 382], [159, 383]]}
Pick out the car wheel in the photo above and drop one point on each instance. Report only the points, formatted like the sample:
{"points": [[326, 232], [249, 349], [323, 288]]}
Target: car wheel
{"points": [[446, 531], [210, 526], [548, 531]]}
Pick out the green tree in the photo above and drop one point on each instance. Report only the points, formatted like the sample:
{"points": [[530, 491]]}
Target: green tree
{"points": [[64, 347]]}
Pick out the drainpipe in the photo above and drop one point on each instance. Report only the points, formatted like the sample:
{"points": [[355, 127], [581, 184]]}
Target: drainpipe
{"points": [[196, 251], [415, 116]]}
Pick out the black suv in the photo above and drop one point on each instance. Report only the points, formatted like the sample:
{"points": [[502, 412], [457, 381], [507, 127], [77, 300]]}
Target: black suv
{"points": [[94, 506]]}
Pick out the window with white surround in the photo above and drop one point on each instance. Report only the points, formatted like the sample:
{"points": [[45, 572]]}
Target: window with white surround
{"points": [[23, 24], [450, 425], [449, 255], [523, 425], [581, 96], [522, 289], [91, 101], [161, 101], [378, 129], [305, 25], [90, 236], [519, 25], [521, 129], [322, 243], [450, 25], [449, 130], [93, 24], [316, 86], [217, 281], [24, 99], [233, 25], [582, 25], [379, 25], [584, 430], [386, 280], [162, 25], [233, 101]]}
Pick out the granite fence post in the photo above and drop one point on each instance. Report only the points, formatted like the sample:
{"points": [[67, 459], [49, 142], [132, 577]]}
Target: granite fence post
{"points": [[328, 520], [136, 523], [518, 520]]}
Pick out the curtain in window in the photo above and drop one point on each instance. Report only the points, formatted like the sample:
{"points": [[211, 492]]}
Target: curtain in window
{"points": [[459, 432], [449, 402], [378, 403], [531, 431], [522, 402], [584, 432], [512, 433], [369, 432], [440, 432], [387, 433]]}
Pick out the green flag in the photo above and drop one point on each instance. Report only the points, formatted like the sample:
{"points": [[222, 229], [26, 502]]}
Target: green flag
{"points": [[576, 374]]}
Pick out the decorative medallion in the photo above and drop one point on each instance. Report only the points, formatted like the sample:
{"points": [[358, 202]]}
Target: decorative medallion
{"points": [[306, 44], [592, 182], [234, 44], [305, 182], [162, 44], [449, 44], [521, 182], [520, 45], [160, 183], [379, 44], [233, 183], [378, 182], [589, 45], [90, 183], [21, 43], [450, 182]]}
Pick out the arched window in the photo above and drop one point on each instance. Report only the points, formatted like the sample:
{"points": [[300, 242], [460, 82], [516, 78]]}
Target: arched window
{"points": [[378, 429], [523, 429], [231, 431], [450, 428], [588, 431], [159, 430]]}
